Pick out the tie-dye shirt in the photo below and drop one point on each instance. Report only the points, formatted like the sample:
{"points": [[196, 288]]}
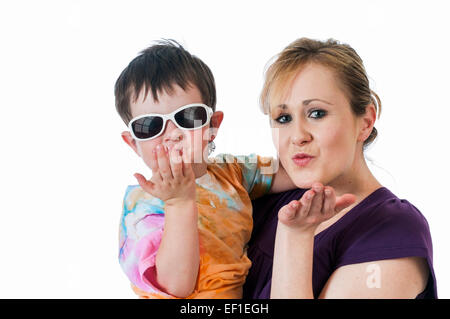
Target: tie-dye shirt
{"points": [[225, 223]]}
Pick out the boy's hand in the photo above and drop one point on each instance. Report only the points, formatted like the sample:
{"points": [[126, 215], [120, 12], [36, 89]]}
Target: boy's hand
{"points": [[316, 206], [173, 180]]}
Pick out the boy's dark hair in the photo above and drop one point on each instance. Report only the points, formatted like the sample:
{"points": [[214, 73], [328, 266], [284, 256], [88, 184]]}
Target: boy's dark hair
{"points": [[158, 68]]}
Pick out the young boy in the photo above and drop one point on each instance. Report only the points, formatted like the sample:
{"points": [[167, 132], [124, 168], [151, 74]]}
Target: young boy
{"points": [[183, 232]]}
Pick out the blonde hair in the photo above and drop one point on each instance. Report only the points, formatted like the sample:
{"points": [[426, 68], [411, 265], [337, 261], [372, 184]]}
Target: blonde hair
{"points": [[341, 58]]}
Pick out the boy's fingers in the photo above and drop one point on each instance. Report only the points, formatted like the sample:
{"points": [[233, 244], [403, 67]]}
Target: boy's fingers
{"points": [[146, 185], [186, 154], [344, 201], [154, 162], [188, 171], [156, 177], [163, 163], [329, 201], [176, 164]]}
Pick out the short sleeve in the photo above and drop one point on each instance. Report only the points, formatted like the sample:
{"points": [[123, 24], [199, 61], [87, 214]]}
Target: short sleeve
{"points": [[396, 229], [257, 172], [141, 229]]}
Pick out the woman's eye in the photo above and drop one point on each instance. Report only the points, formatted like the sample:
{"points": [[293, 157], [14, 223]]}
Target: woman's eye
{"points": [[283, 119], [317, 114]]}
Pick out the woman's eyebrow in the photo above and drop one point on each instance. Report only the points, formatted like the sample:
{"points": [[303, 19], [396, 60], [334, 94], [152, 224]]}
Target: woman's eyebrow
{"points": [[306, 102], [284, 106]]}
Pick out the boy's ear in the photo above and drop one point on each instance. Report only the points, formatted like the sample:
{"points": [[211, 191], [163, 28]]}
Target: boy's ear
{"points": [[127, 138], [216, 120]]}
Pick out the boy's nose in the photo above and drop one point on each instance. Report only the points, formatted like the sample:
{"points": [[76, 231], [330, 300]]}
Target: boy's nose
{"points": [[172, 132]]}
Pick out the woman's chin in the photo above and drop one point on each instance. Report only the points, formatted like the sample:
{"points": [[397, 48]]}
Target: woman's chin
{"points": [[303, 185], [305, 181]]}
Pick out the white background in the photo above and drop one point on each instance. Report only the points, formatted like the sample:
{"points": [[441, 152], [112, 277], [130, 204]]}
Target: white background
{"points": [[64, 167]]}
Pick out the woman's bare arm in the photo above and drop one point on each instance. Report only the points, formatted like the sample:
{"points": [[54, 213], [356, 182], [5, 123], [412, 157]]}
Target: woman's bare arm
{"points": [[392, 279], [294, 242]]}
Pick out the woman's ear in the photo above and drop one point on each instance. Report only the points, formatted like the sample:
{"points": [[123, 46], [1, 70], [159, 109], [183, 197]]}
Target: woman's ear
{"points": [[130, 141], [367, 122], [216, 120]]}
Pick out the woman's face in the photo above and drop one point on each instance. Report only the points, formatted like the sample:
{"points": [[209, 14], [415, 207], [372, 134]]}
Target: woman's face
{"points": [[314, 130]]}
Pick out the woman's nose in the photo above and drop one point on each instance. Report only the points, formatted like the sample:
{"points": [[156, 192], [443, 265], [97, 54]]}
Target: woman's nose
{"points": [[301, 136]]}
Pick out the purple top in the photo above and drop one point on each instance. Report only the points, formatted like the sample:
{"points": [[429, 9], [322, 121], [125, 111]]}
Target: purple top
{"points": [[381, 226]]}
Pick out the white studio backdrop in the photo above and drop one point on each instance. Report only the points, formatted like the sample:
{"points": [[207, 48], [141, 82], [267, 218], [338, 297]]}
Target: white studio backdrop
{"points": [[64, 167]]}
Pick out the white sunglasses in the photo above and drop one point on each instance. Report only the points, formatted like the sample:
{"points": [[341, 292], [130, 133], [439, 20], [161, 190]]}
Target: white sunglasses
{"points": [[188, 117]]}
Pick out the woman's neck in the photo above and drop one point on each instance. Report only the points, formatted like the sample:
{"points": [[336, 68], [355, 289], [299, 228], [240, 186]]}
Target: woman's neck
{"points": [[358, 181]]}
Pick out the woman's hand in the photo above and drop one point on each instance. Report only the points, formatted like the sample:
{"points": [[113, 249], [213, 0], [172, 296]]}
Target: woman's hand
{"points": [[316, 206], [294, 242], [173, 179]]}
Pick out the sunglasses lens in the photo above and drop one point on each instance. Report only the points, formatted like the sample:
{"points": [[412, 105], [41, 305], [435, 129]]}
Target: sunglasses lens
{"points": [[147, 127], [192, 117]]}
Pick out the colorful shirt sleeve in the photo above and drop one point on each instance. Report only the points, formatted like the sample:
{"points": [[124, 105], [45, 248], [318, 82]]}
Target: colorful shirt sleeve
{"points": [[257, 172], [140, 234]]}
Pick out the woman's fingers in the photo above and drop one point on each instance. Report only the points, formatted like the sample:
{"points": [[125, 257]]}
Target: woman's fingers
{"points": [[317, 201], [344, 201], [329, 201], [306, 201], [288, 212], [290, 209], [316, 205]]}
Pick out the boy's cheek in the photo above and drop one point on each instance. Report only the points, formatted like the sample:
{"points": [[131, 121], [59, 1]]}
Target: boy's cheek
{"points": [[195, 141], [139, 149], [145, 148], [193, 152], [145, 151]]}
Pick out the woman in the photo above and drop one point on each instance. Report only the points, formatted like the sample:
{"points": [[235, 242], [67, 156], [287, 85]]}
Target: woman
{"points": [[322, 113]]}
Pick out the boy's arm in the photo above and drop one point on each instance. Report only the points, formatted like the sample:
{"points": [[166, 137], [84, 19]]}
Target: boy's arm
{"points": [[281, 181], [177, 259]]}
